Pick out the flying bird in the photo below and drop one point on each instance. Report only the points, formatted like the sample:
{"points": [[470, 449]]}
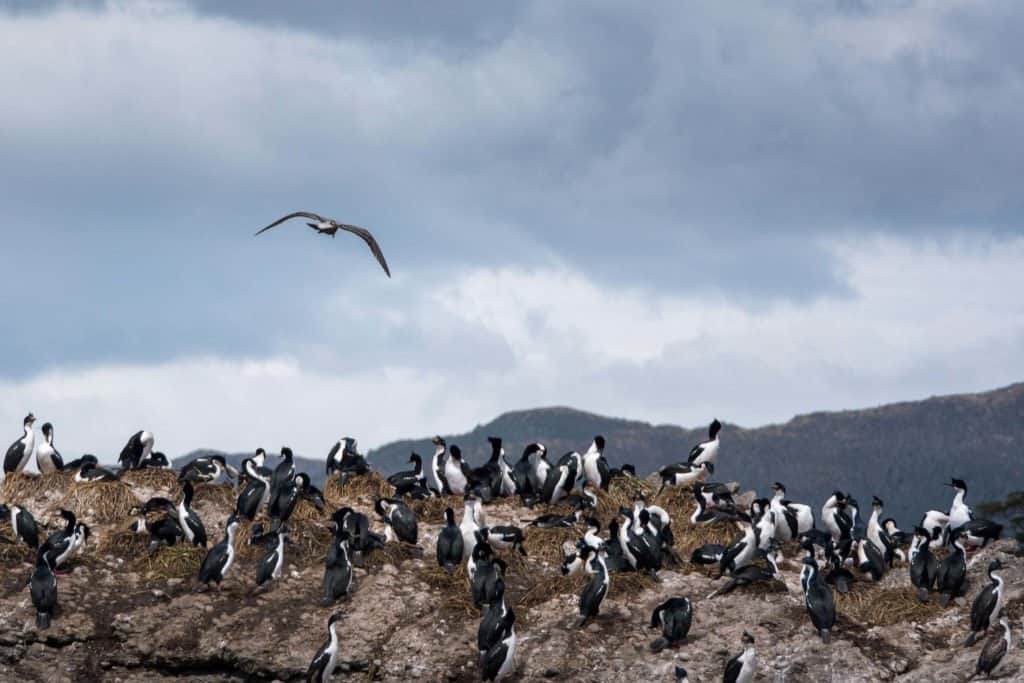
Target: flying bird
{"points": [[327, 226]]}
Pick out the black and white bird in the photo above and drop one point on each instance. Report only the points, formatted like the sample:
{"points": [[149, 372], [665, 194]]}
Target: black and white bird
{"points": [[974, 532], [594, 594], [560, 479], [987, 604], [756, 572], [23, 524], [271, 564], [936, 523], [449, 543], [681, 675], [188, 519], [923, 565], [138, 448], [595, 466], [837, 521], [707, 451], [156, 461], [337, 581], [20, 452], [283, 474], [64, 542], [90, 472], [742, 667], [894, 541], [486, 573], [407, 480], [869, 559], [328, 226], [399, 519], [47, 457], [683, 474], [326, 660], [952, 572], [505, 537], [456, 472], [43, 589], [741, 551], [488, 477], [497, 618], [674, 617], [818, 598], [206, 469], [437, 464], [346, 460], [994, 650], [361, 539], [162, 531], [218, 561], [792, 519], [470, 524], [539, 468], [498, 661]]}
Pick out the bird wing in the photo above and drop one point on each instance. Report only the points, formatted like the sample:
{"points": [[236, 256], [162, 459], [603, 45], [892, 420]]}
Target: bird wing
{"points": [[368, 238], [297, 214]]}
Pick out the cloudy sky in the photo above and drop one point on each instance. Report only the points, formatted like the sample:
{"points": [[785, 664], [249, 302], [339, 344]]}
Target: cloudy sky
{"points": [[663, 211]]}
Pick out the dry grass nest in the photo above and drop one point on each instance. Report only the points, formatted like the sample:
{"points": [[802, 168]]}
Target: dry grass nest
{"points": [[20, 487], [11, 553], [866, 605], [365, 488], [154, 478], [395, 554], [179, 561], [222, 496], [125, 544], [431, 510], [103, 501], [453, 588], [307, 541], [545, 545], [620, 494]]}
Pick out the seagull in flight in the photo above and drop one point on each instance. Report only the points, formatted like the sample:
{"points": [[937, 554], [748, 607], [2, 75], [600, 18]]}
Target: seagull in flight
{"points": [[326, 226]]}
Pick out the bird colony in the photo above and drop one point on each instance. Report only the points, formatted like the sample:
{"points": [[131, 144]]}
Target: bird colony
{"points": [[601, 523]]}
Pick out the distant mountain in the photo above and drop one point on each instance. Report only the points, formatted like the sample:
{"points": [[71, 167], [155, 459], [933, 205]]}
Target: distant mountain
{"points": [[903, 452]]}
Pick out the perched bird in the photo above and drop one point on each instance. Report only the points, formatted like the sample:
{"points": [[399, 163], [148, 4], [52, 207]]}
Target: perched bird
{"points": [[498, 662], [325, 661], [681, 675], [437, 465], [497, 618], [43, 589], [923, 565], [23, 524], [683, 474], [674, 617], [188, 519], [155, 460], [987, 604], [554, 521], [91, 472], [449, 543], [740, 552], [456, 472], [270, 565], [163, 531], [19, 452], [706, 451], [818, 598], [952, 572], [505, 537], [793, 518], [752, 573], [994, 650], [742, 667], [206, 469], [595, 467], [47, 457], [326, 226], [469, 526], [337, 580], [218, 561], [407, 480], [487, 574], [138, 448], [597, 589], [399, 518], [283, 474]]}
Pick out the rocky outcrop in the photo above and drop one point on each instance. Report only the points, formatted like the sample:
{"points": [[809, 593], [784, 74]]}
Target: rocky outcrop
{"points": [[126, 616]]}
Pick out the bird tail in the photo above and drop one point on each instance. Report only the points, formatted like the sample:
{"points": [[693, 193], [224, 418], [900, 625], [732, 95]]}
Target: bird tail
{"points": [[944, 599], [922, 594], [42, 620], [826, 635], [661, 489], [522, 550], [449, 567], [971, 638], [659, 644]]}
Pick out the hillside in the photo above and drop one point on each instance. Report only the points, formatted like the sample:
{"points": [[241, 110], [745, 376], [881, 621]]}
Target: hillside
{"points": [[902, 452]]}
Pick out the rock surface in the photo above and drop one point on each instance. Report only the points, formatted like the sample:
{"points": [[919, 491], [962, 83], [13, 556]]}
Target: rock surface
{"points": [[122, 618]]}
